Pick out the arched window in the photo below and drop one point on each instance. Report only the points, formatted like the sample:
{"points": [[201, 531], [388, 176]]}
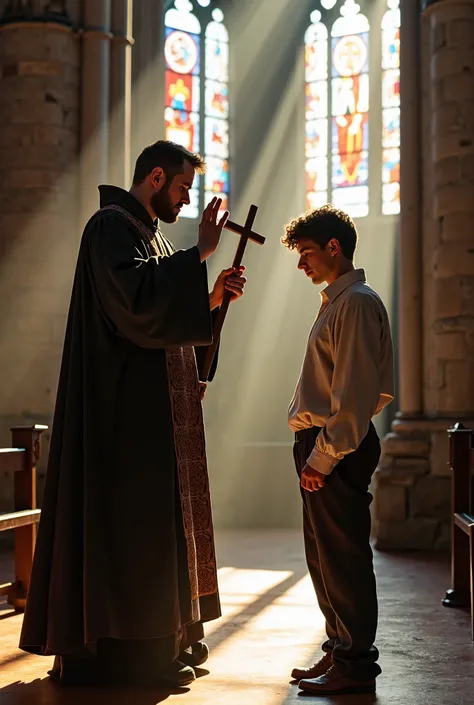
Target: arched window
{"points": [[341, 127], [196, 93], [391, 108], [317, 140]]}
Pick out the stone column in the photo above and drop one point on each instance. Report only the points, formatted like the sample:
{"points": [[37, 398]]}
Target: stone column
{"points": [[412, 483], [39, 106], [409, 264], [148, 81], [94, 157], [120, 92]]}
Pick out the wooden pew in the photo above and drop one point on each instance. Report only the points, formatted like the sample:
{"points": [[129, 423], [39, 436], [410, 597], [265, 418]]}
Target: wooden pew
{"points": [[21, 461], [461, 593]]}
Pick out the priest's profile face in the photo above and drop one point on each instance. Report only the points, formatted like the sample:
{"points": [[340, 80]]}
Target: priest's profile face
{"points": [[172, 194]]}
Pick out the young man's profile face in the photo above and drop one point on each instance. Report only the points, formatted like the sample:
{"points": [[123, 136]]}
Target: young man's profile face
{"points": [[315, 262]]}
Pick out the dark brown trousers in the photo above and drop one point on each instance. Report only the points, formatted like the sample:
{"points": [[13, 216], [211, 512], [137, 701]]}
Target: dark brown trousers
{"points": [[336, 525]]}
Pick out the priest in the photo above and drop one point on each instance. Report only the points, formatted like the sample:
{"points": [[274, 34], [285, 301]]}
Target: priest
{"points": [[124, 573]]}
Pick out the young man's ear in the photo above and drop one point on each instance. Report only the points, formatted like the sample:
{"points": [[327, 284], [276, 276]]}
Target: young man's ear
{"points": [[334, 247]]}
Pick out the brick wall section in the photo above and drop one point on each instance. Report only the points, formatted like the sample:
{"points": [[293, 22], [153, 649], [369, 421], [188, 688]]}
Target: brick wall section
{"points": [[452, 130], [412, 486], [39, 116]]}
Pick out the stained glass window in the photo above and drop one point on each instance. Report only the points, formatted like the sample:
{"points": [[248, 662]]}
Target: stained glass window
{"points": [[196, 89], [316, 60], [337, 110], [339, 128], [391, 109], [350, 111], [216, 140]]}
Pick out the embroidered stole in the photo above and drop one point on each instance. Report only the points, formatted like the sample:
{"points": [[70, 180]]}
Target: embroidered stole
{"points": [[190, 449]]}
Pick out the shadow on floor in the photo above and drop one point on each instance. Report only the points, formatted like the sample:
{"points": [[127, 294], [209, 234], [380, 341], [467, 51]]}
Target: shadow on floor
{"points": [[45, 692], [238, 622], [337, 700]]}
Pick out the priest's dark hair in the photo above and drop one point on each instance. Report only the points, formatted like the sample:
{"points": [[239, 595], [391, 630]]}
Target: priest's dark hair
{"points": [[170, 156], [322, 225]]}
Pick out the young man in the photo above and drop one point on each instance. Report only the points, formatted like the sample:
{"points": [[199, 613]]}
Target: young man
{"points": [[346, 378], [124, 571]]}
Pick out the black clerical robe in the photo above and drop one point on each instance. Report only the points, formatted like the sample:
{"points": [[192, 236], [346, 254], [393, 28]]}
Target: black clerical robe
{"points": [[125, 547]]}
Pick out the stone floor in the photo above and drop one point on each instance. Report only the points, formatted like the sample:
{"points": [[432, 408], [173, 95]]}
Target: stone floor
{"points": [[271, 623]]}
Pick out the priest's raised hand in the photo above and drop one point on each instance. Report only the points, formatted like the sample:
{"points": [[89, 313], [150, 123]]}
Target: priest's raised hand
{"points": [[210, 229]]}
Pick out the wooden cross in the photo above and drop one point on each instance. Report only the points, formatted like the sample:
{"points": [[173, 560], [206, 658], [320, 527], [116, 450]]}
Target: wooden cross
{"points": [[246, 233]]}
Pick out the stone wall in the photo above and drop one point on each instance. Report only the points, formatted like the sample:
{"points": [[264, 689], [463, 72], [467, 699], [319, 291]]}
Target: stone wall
{"points": [[57, 102], [412, 508], [412, 488], [39, 110], [450, 386]]}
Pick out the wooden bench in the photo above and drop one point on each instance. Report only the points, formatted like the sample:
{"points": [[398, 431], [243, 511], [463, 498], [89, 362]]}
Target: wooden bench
{"points": [[461, 593], [21, 461]]}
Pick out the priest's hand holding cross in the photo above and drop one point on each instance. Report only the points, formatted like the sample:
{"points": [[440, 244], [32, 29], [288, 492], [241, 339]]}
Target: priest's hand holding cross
{"points": [[231, 282]]}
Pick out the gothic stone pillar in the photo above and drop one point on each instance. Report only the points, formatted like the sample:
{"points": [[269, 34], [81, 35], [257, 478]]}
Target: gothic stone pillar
{"points": [[148, 84], [412, 483], [95, 101], [39, 104], [120, 93]]}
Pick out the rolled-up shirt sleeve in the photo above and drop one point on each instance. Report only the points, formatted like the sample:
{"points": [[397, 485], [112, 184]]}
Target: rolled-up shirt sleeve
{"points": [[355, 388]]}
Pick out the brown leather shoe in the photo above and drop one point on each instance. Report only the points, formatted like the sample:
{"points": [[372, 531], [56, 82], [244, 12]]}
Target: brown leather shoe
{"points": [[319, 669], [333, 683]]}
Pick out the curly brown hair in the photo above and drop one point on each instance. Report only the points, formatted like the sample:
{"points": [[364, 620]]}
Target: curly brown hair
{"points": [[322, 225]]}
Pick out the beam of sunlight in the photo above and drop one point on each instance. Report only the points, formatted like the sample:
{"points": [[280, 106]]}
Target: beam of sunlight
{"points": [[260, 330], [18, 655], [255, 663], [284, 633], [247, 20], [240, 588]]}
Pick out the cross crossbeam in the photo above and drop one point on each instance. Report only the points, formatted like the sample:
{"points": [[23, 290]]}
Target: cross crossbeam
{"points": [[239, 230], [246, 233]]}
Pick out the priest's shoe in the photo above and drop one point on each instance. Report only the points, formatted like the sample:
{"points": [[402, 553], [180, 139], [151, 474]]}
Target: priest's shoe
{"points": [[319, 669], [198, 654], [334, 683], [177, 675]]}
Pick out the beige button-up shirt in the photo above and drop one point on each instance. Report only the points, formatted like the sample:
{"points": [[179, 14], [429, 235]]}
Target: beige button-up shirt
{"points": [[347, 373]]}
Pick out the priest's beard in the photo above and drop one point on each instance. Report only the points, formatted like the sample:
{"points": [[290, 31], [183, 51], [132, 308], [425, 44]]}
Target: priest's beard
{"points": [[163, 208]]}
